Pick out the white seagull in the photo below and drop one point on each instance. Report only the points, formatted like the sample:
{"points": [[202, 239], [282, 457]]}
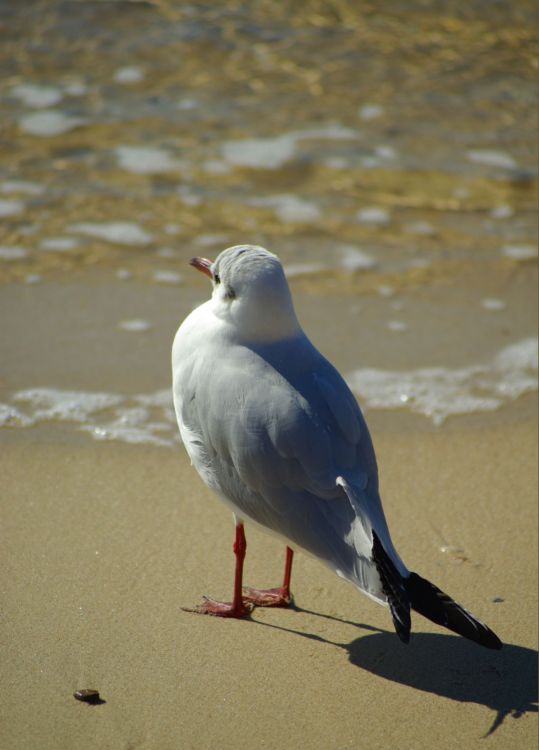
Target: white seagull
{"points": [[274, 430]]}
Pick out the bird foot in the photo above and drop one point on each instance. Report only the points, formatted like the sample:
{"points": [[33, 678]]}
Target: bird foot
{"points": [[222, 609], [267, 597]]}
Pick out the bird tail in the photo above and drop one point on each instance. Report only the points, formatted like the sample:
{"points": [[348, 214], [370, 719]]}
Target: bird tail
{"points": [[431, 602], [424, 597], [394, 587]]}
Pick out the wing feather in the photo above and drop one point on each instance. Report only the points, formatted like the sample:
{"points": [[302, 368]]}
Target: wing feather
{"points": [[274, 446]]}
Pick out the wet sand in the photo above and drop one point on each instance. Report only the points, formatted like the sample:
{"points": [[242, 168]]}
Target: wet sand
{"points": [[105, 543]]}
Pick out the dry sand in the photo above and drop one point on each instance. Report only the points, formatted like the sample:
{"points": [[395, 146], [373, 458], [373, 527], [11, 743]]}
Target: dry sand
{"points": [[104, 544]]}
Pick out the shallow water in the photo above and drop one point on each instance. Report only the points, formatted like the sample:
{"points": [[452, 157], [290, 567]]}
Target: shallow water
{"points": [[387, 155], [436, 393]]}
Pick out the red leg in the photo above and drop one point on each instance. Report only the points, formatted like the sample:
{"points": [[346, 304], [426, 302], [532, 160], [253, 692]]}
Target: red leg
{"points": [[236, 608], [279, 597]]}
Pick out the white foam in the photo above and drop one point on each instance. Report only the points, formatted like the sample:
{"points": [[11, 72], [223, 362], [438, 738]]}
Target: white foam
{"points": [[370, 162], [418, 263], [216, 166], [137, 325], [354, 259], [385, 152], [420, 227], [146, 160], [142, 418], [502, 212], [397, 326], [21, 186], [461, 192], [117, 232], [173, 229], [127, 433], [187, 104], [149, 418], [517, 364], [290, 209], [439, 392], [493, 304], [347, 257], [129, 74], [10, 416], [59, 244], [10, 208], [124, 274], [373, 215], [300, 269], [210, 240], [167, 277], [49, 123], [370, 112], [492, 158], [162, 399], [70, 406], [188, 197], [75, 88], [33, 95], [332, 132], [520, 251], [259, 153], [293, 210], [12, 252], [132, 425], [273, 153]]}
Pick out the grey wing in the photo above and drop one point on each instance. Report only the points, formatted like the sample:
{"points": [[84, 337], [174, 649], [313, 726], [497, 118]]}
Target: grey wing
{"points": [[276, 448]]}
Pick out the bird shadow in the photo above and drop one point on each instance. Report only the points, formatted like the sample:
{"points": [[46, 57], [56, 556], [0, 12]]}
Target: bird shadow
{"points": [[446, 665]]}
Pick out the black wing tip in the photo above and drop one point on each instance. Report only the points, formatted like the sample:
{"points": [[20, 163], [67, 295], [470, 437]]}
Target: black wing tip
{"points": [[437, 606], [403, 633], [491, 640], [428, 600], [394, 588]]}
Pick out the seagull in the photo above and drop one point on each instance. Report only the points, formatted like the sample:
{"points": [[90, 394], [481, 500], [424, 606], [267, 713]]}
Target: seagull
{"points": [[272, 428]]}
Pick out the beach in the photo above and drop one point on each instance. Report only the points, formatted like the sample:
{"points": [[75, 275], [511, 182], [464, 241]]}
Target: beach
{"points": [[106, 542], [387, 154]]}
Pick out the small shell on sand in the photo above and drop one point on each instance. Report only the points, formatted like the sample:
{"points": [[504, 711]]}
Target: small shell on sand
{"points": [[87, 695]]}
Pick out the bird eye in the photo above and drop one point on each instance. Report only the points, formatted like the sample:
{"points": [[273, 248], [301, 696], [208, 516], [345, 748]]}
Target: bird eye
{"points": [[216, 278], [230, 293]]}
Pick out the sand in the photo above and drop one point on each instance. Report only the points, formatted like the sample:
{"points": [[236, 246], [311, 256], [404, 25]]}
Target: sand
{"points": [[422, 114], [104, 543]]}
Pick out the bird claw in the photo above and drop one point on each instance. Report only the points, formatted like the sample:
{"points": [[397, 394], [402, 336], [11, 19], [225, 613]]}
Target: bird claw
{"points": [[267, 597], [221, 609]]}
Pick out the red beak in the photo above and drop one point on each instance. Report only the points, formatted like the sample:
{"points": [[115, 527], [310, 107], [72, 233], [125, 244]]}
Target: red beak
{"points": [[202, 264]]}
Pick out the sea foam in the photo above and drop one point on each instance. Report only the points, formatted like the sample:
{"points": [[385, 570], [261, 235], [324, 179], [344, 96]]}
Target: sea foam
{"points": [[148, 418], [142, 418], [273, 153], [441, 392]]}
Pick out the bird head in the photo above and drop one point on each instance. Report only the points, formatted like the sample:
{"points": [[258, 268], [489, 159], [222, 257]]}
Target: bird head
{"points": [[250, 292]]}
